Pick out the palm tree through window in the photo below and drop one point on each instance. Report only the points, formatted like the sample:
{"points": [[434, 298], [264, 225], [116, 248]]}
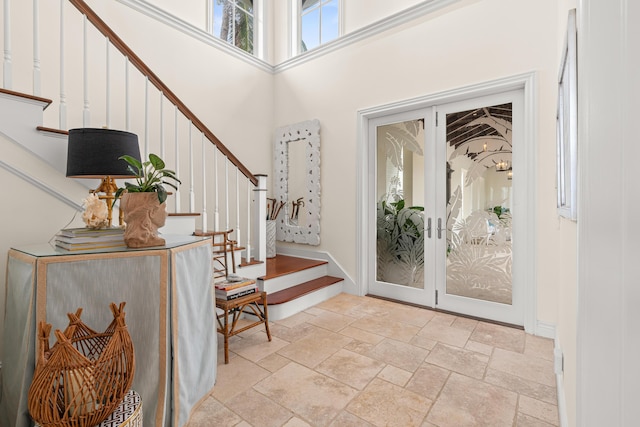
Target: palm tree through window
{"points": [[233, 22]]}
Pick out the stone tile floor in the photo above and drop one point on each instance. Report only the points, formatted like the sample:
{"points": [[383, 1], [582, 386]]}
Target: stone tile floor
{"points": [[362, 361]]}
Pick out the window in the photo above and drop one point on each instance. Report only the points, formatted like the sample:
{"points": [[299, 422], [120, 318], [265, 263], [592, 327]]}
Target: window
{"points": [[233, 22], [319, 22]]}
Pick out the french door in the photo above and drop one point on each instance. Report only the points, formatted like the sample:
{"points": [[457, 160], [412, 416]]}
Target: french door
{"points": [[445, 192]]}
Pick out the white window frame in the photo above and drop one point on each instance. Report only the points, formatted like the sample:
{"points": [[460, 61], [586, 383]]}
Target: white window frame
{"points": [[296, 26], [258, 27]]}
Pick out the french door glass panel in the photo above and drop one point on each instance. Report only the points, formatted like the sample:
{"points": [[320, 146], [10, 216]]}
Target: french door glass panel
{"points": [[398, 189], [478, 141]]}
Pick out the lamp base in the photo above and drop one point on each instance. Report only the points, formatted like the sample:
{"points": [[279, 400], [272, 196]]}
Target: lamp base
{"points": [[108, 187]]}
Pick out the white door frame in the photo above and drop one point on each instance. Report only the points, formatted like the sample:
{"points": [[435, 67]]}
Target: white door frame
{"points": [[526, 270]]}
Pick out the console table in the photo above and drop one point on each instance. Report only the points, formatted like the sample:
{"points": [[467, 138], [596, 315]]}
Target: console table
{"points": [[170, 315]]}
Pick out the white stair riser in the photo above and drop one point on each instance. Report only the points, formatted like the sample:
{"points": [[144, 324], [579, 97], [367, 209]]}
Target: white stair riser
{"points": [[284, 310], [292, 279], [179, 225], [252, 271]]}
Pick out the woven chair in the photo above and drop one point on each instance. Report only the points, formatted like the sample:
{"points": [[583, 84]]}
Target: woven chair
{"points": [[223, 249]]}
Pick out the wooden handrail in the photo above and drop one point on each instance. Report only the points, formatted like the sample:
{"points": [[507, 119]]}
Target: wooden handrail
{"points": [[146, 71]]}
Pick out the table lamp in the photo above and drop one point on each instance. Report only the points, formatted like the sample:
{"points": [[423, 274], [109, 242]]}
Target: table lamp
{"points": [[94, 153]]}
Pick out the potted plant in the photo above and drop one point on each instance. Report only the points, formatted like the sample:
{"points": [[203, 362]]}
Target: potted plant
{"points": [[143, 202]]}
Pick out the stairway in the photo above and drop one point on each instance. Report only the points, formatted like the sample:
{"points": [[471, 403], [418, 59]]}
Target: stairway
{"points": [[294, 284]]}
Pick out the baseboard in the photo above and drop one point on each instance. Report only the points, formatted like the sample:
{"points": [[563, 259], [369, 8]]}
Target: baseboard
{"points": [[562, 403], [333, 268], [545, 330]]}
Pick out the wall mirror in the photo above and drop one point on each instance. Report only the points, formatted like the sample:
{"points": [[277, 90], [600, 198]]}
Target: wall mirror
{"points": [[297, 182]]}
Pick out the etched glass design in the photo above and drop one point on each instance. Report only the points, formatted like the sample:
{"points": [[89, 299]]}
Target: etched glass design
{"points": [[479, 208], [400, 204]]}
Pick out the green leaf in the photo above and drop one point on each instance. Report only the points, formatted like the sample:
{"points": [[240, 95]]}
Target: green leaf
{"points": [[156, 161], [162, 194], [132, 161]]}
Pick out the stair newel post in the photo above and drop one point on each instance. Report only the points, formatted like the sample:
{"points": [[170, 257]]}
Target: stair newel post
{"points": [[7, 67], [204, 183], [260, 219], [36, 48], [63, 96]]}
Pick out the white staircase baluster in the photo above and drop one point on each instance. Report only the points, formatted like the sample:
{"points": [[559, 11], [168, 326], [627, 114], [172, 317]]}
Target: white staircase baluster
{"points": [[162, 125], [216, 212], [226, 192], [107, 84], [204, 183], [37, 90], [146, 115], [248, 245], [63, 97], [238, 238], [127, 112], [192, 194], [7, 82], [85, 73], [177, 148]]}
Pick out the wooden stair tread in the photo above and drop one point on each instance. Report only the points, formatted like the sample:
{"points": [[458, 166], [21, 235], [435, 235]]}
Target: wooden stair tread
{"points": [[285, 264], [52, 130], [27, 96], [302, 289]]}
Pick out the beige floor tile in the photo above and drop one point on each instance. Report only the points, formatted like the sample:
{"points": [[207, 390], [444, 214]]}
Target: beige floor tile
{"points": [[350, 368], [478, 347], [294, 320], [341, 303], [314, 311], [346, 419], [395, 375], [464, 323], [236, 377], [213, 413], [259, 410], [523, 366], [359, 347], [361, 335], [541, 410], [499, 336], [386, 404], [313, 397], [523, 420], [296, 422], [331, 321], [466, 401], [428, 380], [459, 360], [522, 386], [424, 342], [314, 348], [399, 354], [444, 319], [539, 347], [387, 327], [411, 315], [273, 362], [293, 333], [257, 346], [445, 334]]}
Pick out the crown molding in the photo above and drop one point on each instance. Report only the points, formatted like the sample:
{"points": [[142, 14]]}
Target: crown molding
{"points": [[199, 34]]}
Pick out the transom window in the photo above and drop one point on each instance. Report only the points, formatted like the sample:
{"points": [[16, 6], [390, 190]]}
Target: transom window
{"points": [[233, 22], [319, 22]]}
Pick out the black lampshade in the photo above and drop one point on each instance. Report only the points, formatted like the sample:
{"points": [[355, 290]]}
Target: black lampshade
{"points": [[94, 153]]}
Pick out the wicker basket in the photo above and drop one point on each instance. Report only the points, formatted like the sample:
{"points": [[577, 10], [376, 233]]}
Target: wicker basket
{"points": [[83, 378]]}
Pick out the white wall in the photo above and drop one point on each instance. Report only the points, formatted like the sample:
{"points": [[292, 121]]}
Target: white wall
{"points": [[427, 56], [608, 348]]}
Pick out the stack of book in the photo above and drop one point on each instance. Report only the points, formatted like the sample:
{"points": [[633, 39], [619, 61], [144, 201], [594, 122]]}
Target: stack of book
{"points": [[83, 239], [235, 287]]}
